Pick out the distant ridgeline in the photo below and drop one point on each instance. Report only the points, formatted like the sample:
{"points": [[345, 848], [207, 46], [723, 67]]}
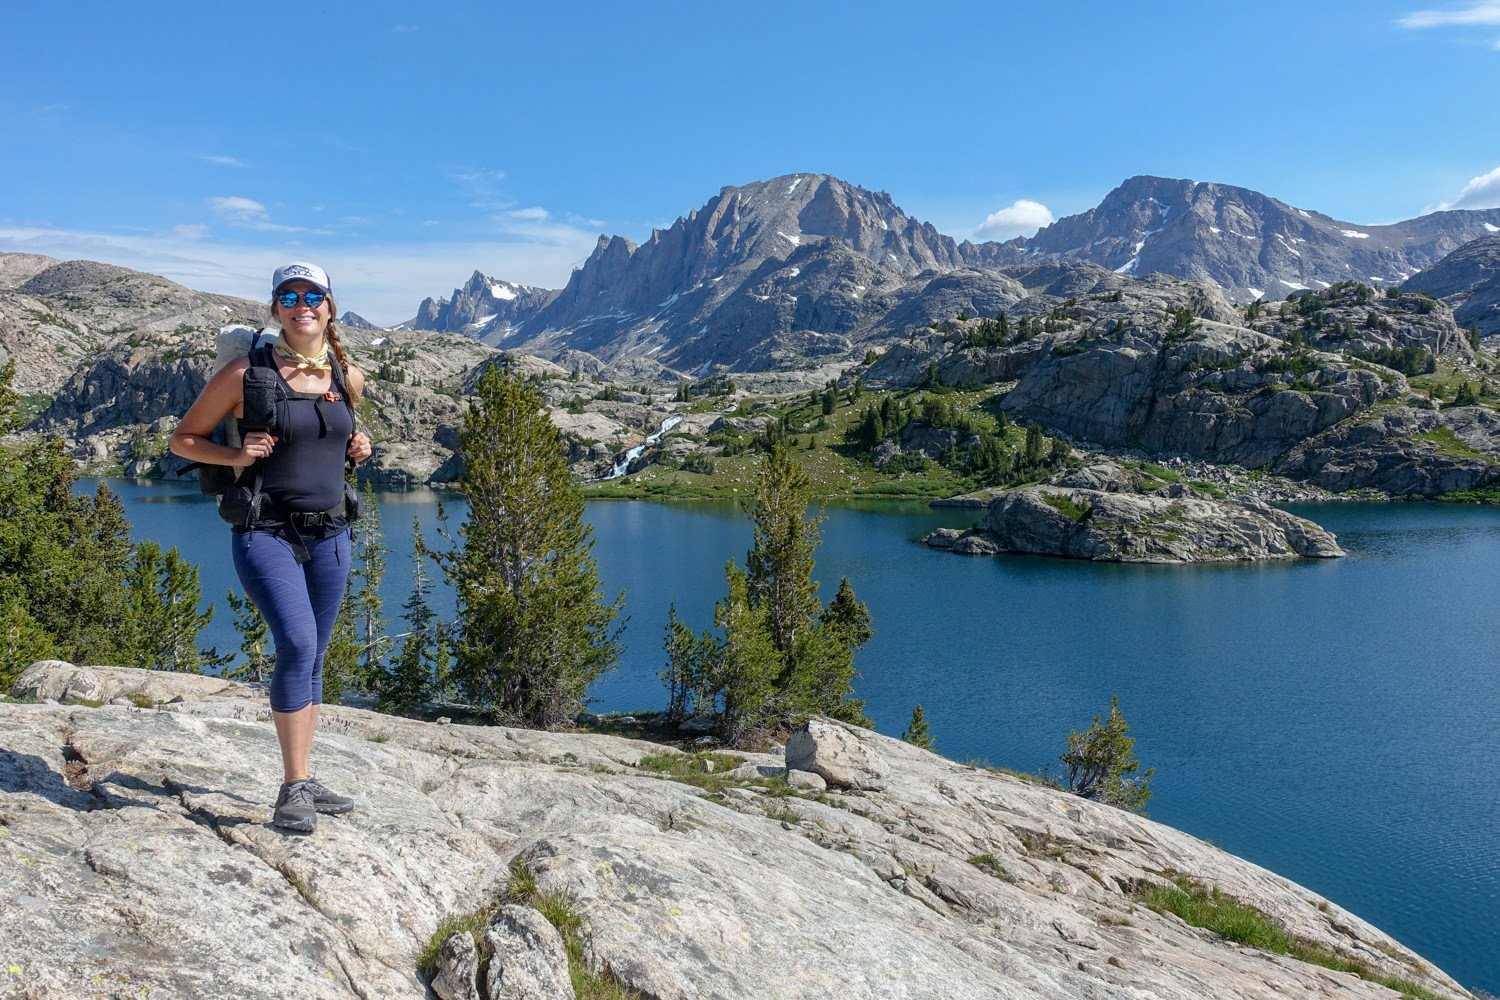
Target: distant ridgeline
{"points": [[1178, 319]]}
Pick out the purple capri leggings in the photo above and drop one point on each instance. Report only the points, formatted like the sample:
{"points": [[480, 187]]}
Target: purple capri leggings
{"points": [[299, 603]]}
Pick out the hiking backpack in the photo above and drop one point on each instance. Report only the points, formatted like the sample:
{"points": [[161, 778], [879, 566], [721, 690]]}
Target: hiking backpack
{"points": [[238, 492]]}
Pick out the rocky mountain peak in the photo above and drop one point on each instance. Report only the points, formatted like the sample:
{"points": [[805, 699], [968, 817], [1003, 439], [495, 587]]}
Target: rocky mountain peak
{"points": [[483, 307], [727, 273], [1249, 244], [807, 266]]}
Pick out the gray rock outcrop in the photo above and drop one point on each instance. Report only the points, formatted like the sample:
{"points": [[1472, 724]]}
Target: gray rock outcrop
{"points": [[141, 862], [1172, 526], [1468, 279], [1166, 368], [1402, 451]]}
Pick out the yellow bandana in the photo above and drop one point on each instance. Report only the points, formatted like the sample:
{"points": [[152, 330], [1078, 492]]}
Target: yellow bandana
{"points": [[317, 363]]}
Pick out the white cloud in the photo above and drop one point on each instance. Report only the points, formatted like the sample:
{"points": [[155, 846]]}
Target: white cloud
{"points": [[1481, 192], [381, 283], [1484, 12], [248, 213], [223, 161], [1021, 218], [190, 232], [536, 213], [238, 209]]}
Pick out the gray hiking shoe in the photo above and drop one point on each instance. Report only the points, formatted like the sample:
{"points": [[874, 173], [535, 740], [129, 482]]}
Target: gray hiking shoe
{"points": [[294, 808], [326, 800]]}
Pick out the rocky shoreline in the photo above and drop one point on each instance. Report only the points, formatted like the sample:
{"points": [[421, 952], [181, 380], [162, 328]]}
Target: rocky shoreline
{"points": [[843, 864]]}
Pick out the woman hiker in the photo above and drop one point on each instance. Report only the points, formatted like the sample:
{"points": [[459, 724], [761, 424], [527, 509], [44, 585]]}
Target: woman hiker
{"points": [[293, 560]]}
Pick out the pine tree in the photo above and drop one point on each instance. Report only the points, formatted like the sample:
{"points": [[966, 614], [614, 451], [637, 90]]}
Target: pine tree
{"points": [[341, 658], [534, 632], [781, 654], [415, 674], [23, 640], [10, 400], [780, 564], [871, 430], [824, 673], [364, 603], [916, 731], [692, 665], [164, 622], [1036, 444], [815, 646], [101, 553], [64, 557], [254, 640], [745, 664], [1101, 759]]}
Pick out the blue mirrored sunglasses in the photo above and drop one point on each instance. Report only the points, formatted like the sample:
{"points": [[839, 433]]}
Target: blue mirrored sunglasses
{"points": [[289, 299]]}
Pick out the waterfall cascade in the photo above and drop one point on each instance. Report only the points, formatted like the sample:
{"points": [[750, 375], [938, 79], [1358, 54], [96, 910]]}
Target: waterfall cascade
{"points": [[623, 465]]}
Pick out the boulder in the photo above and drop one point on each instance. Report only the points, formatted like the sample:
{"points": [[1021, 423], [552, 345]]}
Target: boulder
{"points": [[58, 680], [975, 545], [62, 681], [529, 960], [942, 538], [835, 754], [806, 779], [457, 968]]}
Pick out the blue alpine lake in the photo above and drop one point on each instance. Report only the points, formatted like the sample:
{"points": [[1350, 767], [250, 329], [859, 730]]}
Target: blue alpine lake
{"points": [[1333, 721]]}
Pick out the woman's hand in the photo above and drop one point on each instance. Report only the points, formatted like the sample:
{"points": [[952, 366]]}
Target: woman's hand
{"points": [[256, 446], [359, 446]]}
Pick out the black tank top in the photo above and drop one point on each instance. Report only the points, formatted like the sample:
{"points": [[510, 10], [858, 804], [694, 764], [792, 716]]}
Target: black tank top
{"points": [[305, 471]]}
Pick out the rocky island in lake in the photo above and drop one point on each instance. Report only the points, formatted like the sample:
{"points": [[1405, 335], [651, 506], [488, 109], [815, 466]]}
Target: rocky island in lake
{"points": [[1172, 526]]}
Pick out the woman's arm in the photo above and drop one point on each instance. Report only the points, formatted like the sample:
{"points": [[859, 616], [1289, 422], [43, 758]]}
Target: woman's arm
{"points": [[223, 395], [359, 443]]}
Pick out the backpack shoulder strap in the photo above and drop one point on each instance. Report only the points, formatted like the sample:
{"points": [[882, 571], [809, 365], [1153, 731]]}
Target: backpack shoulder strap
{"points": [[342, 385], [260, 355]]}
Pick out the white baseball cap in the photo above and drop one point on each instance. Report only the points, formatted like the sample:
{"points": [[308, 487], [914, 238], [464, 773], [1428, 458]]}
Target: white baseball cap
{"points": [[299, 270]]}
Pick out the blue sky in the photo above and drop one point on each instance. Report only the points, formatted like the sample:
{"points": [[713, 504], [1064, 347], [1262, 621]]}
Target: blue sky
{"points": [[404, 146]]}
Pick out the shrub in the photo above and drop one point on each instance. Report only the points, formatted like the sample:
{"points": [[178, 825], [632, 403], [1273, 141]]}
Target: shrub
{"points": [[1066, 506]]}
